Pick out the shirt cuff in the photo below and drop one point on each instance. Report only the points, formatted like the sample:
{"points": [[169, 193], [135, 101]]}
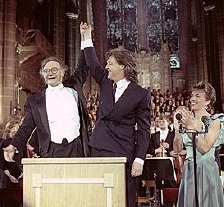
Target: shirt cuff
{"points": [[86, 43], [82, 45], [139, 160]]}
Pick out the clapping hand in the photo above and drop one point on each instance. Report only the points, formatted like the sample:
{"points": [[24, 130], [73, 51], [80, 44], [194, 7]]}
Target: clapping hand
{"points": [[165, 145]]}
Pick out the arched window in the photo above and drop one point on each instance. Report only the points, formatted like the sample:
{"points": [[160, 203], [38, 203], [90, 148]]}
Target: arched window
{"points": [[161, 20]]}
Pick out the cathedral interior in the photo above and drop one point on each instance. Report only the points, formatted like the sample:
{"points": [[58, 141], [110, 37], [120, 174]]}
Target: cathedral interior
{"points": [[176, 43]]}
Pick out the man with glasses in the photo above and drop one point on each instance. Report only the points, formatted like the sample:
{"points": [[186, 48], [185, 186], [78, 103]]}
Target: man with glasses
{"points": [[58, 113]]}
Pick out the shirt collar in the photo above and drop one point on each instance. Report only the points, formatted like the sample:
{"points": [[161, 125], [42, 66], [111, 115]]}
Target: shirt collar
{"points": [[55, 88], [123, 82], [164, 131]]}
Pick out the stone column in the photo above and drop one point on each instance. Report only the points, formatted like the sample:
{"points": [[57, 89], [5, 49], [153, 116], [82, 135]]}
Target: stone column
{"points": [[100, 28], [70, 44], [184, 17], [7, 57], [220, 34], [166, 70], [142, 24], [59, 28], [100, 33], [212, 52]]}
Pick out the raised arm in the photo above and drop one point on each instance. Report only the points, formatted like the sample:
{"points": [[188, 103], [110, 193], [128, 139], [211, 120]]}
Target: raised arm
{"points": [[92, 62], [81, 71]]}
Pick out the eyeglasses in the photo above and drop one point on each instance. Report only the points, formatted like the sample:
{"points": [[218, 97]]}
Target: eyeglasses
{"points": [[52, 70]]}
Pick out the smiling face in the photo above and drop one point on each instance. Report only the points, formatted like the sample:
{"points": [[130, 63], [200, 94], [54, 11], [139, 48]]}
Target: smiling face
{"points": [[115, 70], [52, 73], [198, 100]]}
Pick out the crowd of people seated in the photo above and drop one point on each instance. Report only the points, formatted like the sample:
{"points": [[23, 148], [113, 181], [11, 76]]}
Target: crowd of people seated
{"points": [[162, 103]]}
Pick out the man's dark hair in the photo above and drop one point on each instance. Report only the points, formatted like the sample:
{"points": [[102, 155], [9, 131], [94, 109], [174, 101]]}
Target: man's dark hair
{"points": [[125, 58]]}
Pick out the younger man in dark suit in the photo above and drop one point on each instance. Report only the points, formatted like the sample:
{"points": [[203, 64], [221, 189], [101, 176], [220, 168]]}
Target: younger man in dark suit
{"points": [[160, 145], [161, 142], [119, 111]]}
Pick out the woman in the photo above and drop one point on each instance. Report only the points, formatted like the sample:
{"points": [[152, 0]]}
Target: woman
{"points": [[209, 186], [12, 170]]}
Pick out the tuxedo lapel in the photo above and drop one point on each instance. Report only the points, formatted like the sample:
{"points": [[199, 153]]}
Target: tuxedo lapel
{"points": [[109, 105], [125, 96], [110, 102], [106, 100], [41, 105], [127, 99], [158, 139], [169, 137]]}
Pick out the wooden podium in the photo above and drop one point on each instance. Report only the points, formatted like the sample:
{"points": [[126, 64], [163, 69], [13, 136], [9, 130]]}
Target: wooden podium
{"points": [[74, 182]]}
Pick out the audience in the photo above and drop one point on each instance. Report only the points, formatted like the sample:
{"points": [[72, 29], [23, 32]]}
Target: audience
{"points": [[161, 104]]}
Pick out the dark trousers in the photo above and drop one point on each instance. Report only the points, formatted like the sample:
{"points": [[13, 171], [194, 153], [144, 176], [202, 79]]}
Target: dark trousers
{"points": [[72, 149], [130, 181]]}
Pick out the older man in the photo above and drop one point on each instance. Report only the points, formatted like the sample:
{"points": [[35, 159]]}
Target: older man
{"points": [[58, 113]]}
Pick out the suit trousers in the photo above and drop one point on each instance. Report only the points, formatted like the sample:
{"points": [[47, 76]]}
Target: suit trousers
{"points": [[65, 149], [130, 181]]}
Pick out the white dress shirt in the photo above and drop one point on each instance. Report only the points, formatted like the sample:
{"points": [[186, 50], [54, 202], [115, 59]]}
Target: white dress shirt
{"points": [[163, 134], [86, 43], [62, 112], [121, 87]]}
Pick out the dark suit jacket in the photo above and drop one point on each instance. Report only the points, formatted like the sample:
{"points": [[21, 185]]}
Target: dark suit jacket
{"points": [[36, 114], [115, 126], [154, 142]]}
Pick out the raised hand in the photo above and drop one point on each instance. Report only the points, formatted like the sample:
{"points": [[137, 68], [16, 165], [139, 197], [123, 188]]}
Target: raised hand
{"points": [[85, 31]]}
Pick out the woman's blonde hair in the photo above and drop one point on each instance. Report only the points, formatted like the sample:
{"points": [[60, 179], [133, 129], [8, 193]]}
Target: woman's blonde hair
{"points": [[8, 127]]}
